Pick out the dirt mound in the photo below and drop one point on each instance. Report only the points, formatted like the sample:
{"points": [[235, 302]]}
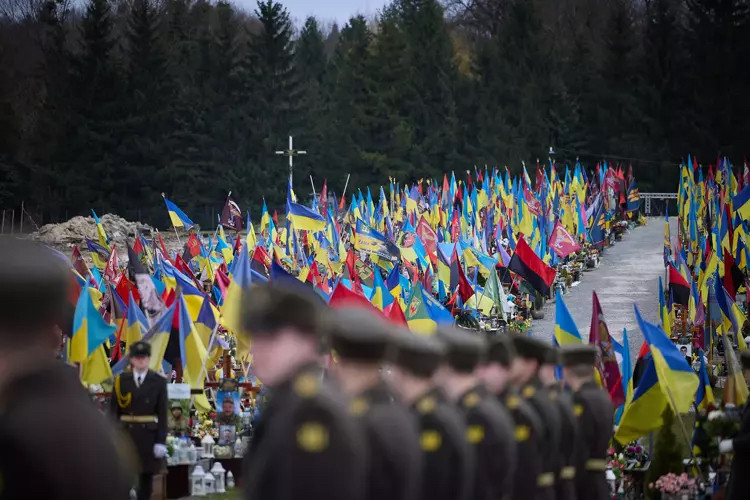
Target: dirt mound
{"points": [[75, 230]]}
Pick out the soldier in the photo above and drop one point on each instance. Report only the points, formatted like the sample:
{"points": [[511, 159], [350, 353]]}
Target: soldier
{"points": [[489, 430], [495, 373], [139, 403], [569, 436], [446, 457], [594, 411], [305, 445], [740, 445], [524, 370], [361, 342], [54, 443]]}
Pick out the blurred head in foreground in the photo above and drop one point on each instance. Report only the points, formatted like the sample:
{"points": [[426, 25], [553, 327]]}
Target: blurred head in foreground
{"points": [[285, 324], [578, 364], [495, 372], [33, 293], [416, 359]]}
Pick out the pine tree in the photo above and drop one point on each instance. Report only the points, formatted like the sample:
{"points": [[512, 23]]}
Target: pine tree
{"points": [[668, 453]]}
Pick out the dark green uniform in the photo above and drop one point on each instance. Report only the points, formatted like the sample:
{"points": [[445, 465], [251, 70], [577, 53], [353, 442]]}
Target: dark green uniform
{"points": [[361, 340], [569, 441], [448, 459], [490, 433], [595, 415], [538, 397], [305, 446], [395, 460], [54, 443], [528, 433]]}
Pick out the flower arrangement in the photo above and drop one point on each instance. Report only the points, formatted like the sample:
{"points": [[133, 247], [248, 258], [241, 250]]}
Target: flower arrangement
{"points": [[673, 483], [635, 454], [206, 425], [721, 424], [617, 463]]}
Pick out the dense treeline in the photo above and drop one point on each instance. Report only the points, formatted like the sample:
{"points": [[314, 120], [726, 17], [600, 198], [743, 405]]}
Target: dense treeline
{"points": [[108, 105]]}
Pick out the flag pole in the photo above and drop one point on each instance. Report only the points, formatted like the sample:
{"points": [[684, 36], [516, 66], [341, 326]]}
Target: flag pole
{"points": [[173, 226], [208, 352], [346, 184]]}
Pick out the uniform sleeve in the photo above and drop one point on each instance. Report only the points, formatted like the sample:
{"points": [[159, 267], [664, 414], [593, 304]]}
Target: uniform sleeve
{"points": [[161, 409], [587, 433], [501, 453], [114, 408], [324, 455]]}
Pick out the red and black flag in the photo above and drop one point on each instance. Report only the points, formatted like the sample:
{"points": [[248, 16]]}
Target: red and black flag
{"points": [[678, 286], [526, 264], [231, 215], [733, 277]]}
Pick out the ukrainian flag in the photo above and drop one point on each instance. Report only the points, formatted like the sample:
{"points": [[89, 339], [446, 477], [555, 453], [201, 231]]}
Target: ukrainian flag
{"points": [[206, 321], [664, 313], [265, 218], [158, 336], [96, 369], [136, 323], [101, 233], [304, 218], [177, 216], [676, 378], [192, 351], [566, 331], [381, 297], [741, 203], [242, 279], [418, 315], [89, 328], [704, 396]]}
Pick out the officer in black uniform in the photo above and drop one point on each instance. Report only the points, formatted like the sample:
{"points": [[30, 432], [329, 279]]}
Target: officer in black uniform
{"points": [[495, 373], [447, 460], [593, 408], [530, 354], [54, 444], [361, 341], [569, 436], [489, 428], [738, 487], [305, 445], [139, 403]]}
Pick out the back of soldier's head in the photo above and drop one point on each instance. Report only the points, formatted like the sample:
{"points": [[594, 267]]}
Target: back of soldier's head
{"points": [[272, 307], [33, 291]]}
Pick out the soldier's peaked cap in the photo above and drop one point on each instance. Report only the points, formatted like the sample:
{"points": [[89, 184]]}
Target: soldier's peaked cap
{"points": [[577, 354], [500, 350], [464, 350], [34, 282], [359, 334], [274, 306], [418, 354], [140, 348], [529, 347]]}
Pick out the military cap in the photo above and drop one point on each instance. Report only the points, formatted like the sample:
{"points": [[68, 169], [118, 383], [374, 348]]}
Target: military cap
{"points": [[140, 348], [464, 350], [419, 354], [359, 334], [500, 350], [552, 356], [270, 307], [34, 282], [175, 404], [578, 354], [529, 347], [745, 359]]}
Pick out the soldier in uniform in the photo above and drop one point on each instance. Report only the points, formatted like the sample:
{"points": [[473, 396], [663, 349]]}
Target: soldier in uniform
{"points": [[495, 373], [569, 436], [489, 428], [305, 446], [54, 444], [530, 354], [740, 445], [361, 341], [446, 457], [139, 403], [594, 411]]}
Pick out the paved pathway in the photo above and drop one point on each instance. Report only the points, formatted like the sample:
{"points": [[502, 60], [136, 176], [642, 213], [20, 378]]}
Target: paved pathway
{"points": [[629, 272]]}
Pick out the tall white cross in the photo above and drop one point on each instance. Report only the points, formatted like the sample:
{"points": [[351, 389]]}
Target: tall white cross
{"points": [[291, 153]]}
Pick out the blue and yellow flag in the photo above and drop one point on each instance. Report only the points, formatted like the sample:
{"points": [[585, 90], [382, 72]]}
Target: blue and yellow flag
{"points": [[566, 331], [101, 233], [89, 328], [303, 218], [704, 396], [677, 379], [136, 323], [177, 216], [192, 351]]}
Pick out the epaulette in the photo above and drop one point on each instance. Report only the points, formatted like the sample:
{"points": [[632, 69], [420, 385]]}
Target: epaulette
{"points": [[306, 385]]}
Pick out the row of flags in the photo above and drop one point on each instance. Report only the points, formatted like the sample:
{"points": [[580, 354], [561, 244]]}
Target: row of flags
{"points": [[419, 255]]}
